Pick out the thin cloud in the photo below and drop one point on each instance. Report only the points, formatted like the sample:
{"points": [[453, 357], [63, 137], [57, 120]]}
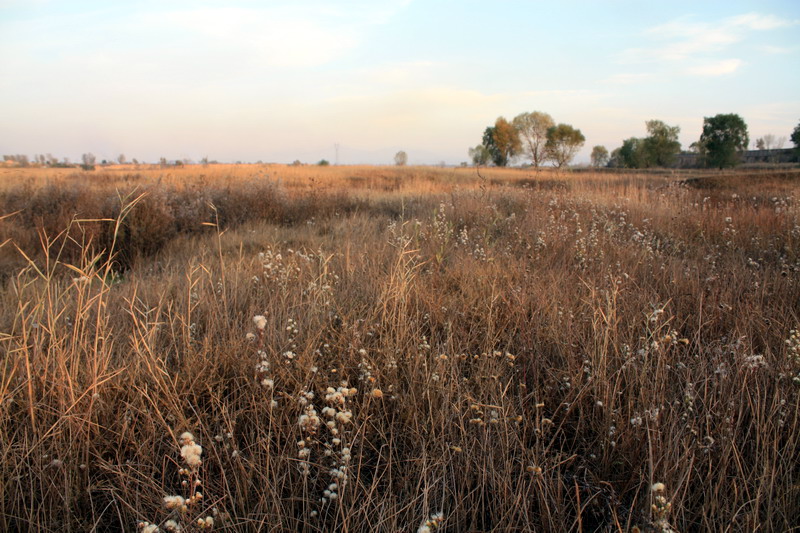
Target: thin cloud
{"points": [[400, 73], [773, 114], [686, 39], [628, 78], [717, 68], [288, 36], [755, 21], [774, 50]]}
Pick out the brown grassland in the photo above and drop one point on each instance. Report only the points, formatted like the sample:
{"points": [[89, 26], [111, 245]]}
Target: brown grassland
{"points": [[518, 351]]}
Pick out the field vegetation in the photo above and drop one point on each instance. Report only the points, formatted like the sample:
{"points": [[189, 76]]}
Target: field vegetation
{"points": [[274, 348]]}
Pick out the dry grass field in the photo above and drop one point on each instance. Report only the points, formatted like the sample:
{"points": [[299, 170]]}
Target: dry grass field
{"points": [[273, 348]]}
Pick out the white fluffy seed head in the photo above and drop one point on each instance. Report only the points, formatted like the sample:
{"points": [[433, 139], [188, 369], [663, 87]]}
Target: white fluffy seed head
{"points": [[173, 502], [191, 454], [344, 417]]}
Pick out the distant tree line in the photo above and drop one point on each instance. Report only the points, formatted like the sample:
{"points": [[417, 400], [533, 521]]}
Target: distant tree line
{"points": [[88, 161], [537, 138], [42, 160], [723, 140]]}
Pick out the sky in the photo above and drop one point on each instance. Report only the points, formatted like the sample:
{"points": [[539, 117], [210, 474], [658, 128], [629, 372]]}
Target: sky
{"points": [[279, 81]]}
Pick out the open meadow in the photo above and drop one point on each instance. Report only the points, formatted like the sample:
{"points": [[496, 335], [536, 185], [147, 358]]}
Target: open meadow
{"points": [[358, 349]]}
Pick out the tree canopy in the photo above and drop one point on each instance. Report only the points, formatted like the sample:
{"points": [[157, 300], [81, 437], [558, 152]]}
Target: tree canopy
{"points": [[532, 129], [502, 142], [88, 161], [563, 142], [659, 148], [661, 145], [631, 154], [723, 137], [480, 155], [400, 158], [599, 156]]}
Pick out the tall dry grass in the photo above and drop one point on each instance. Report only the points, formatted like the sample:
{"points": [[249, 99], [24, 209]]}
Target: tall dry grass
{"points": [[530, 352]]}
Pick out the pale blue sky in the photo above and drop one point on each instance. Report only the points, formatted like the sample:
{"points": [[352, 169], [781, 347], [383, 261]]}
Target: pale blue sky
{"points": [[284, 80]]}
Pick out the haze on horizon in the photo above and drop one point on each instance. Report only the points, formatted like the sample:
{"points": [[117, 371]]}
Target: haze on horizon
{"points": [[284, 80]]}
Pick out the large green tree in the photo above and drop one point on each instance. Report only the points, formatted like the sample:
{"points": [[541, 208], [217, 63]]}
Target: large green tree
{"points": [[661, 146], [563, 142], [502, 142], [724, 137], [532, 128], [632, 153]]}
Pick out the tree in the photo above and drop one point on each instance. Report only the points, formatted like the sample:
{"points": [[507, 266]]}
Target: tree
{"points": [[599, 156], [479, 155], [724, 136], [659, 148], [768, 140], [19, 159], [121, 159], [563, 142], [614, 160], [632, 154], [796, 137], [323, 163], [532, 129], [502, 142], [661, 145], [761, 144], [88, 161], [400, 158]]}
